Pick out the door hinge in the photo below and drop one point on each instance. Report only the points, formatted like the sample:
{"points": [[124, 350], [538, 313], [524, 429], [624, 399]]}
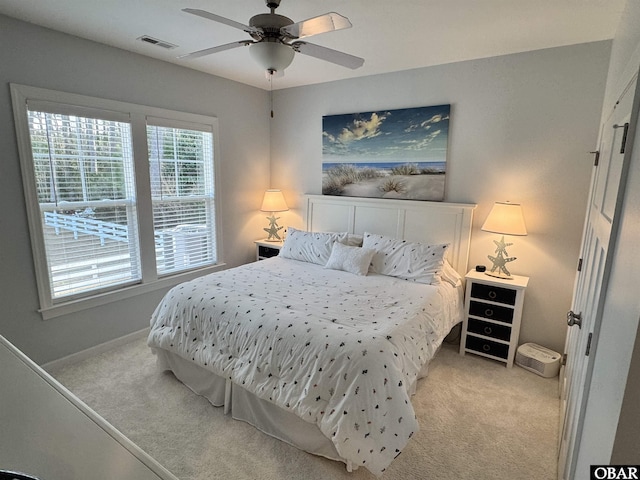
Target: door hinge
{"points": [[624, 135], [564, 359], [597, 158], [588, 344], [579, 264]]}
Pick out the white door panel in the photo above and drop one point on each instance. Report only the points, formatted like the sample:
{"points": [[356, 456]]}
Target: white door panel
{"points": [[591, 281]]}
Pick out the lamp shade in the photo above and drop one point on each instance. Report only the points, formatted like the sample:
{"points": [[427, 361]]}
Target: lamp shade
{"points": [[505, 218], [274, 201]]}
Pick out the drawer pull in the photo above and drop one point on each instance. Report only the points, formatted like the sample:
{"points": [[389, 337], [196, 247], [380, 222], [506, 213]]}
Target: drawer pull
{"points": [[492, 294], [486, 347], [488, 312], [488, 330]]}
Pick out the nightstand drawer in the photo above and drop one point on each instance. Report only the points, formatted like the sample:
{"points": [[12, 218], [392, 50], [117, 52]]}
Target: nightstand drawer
{"points": [[267, 252], [493, 312], [488, 329], [487, 347], [495, 294]]}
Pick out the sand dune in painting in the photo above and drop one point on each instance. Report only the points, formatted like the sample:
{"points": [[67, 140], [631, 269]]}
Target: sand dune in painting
{"points": [[408, 182], [407, 187]]}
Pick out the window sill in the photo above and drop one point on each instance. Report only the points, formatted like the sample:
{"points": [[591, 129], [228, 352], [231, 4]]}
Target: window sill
{"points": [[127, 292]]}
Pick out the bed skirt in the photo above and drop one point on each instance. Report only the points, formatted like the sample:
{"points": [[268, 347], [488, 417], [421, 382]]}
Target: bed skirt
{"points": [[245, 406]]}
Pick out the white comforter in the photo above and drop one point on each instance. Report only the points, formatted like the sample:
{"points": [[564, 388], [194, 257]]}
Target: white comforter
{"points": [[336, 349]]}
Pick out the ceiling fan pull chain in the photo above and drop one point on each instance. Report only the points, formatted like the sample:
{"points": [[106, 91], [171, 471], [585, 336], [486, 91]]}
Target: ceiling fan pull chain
{"points": [[271, 72]]}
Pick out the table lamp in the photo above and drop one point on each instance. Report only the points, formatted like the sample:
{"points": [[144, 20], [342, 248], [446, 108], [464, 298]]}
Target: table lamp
{"points": [[505, 218], [273, 202]]}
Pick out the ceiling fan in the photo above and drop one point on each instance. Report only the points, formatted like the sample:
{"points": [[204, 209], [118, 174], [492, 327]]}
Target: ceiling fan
{"points": [[276, 38]]}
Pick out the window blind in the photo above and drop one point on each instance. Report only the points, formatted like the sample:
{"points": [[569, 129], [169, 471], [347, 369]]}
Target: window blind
{"points": [[84, 177], [182, 191]]}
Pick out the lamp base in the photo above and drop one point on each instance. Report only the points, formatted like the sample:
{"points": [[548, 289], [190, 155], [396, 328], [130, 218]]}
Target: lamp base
{"points": [[273, 229], [499, 269], [499, 275]]}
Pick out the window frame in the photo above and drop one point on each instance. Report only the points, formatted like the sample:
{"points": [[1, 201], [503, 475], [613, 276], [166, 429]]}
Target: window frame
{"points": [[138, 116]]}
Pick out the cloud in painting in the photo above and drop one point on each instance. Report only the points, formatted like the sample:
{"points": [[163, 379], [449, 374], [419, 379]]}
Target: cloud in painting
{"points": [[413, 134], [426, 124], [358, 129], [420, 143], [361, 129]]}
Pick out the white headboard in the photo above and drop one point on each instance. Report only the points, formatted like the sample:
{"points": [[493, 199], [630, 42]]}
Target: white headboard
{"points": [[415, 221]]}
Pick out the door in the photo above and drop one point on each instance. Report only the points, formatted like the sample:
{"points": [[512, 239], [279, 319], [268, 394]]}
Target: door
{"points": [[584, 317]]}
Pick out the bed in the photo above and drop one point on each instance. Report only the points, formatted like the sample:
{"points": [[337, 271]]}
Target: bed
{"points": [[322, 346]]}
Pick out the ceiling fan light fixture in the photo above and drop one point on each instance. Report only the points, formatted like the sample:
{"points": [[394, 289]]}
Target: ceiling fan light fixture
{"points": [[272, 56]]}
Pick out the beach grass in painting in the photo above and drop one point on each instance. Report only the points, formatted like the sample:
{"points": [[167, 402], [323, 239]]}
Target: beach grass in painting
{"points": [[388, 154]]}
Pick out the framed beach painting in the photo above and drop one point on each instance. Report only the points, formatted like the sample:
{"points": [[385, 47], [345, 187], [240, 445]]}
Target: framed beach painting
{"points": [[386, 154]]}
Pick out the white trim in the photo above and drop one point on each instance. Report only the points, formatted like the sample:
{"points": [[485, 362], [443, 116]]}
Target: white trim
{"points": [[72, 99], [171, 123], [94, 351], [19, 101], [74, 110], [143, 193]]}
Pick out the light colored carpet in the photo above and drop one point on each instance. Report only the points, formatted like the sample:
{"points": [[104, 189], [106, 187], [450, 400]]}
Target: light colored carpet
{"points": [[478, 420]]}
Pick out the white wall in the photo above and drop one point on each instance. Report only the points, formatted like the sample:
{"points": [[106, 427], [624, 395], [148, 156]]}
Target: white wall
{"points": [[521, 129], [39, 57]]}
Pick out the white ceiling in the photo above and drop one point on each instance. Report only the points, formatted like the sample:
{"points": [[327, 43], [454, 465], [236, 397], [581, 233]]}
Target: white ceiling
{"points": [[391, 35]]}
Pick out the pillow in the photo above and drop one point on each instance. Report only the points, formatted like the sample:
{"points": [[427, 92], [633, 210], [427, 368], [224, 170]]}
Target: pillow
{"points": [[417, 262], [353, 240], [450, 275], [312, 247], [354, 260]]}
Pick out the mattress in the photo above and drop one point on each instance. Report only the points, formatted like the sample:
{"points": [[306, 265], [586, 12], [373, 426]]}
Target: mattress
{"points": [[339, 351]]}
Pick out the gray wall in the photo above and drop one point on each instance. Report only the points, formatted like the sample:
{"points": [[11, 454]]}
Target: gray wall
{"points": [[39, 57], [521, 129]]}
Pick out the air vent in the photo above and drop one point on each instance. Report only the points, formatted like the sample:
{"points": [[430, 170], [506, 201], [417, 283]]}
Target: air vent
{"points": [[156, 42]]}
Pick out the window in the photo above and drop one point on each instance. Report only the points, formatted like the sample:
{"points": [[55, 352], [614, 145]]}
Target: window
{"points": [[120, 197], [182, 194], [83, 170]]}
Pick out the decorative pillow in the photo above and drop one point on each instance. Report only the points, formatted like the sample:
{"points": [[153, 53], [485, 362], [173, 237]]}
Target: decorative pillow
{"points": [[416, 262], [312, 247], [350, 259]]}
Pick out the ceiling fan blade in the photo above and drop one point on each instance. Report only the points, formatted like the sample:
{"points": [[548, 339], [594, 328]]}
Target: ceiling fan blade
{"points": [[219, 48], [226, 21], [324, 53], [328, 22]]}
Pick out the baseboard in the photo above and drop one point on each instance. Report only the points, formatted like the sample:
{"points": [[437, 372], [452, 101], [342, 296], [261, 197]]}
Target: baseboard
{"points": [[93, 351]]}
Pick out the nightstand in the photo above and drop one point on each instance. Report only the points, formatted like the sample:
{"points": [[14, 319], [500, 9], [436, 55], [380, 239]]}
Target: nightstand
{"points": [[266, 249], [493, 311]]}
